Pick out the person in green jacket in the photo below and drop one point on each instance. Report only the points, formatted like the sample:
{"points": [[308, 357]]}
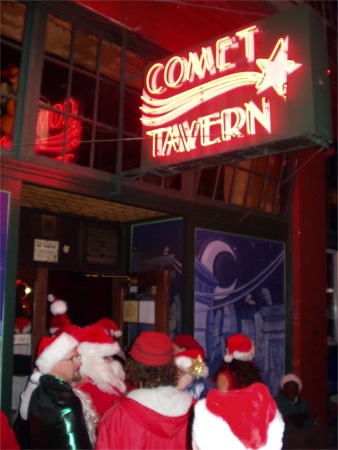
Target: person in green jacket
{"points": [[54, 414], [300, 432]]}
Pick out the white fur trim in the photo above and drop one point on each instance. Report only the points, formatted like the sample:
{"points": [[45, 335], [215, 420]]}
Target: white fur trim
{"points": [[291, 377], [183, 362], [241, 356], [117, 333], [228, 358], [92, 349], [165, 400], [51, 297], [56, 351], [58, 307], [210, 431], [25, 397]]}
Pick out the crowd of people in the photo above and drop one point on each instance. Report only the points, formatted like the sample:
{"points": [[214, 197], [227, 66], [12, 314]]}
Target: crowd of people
{"points": [[85, 393]]}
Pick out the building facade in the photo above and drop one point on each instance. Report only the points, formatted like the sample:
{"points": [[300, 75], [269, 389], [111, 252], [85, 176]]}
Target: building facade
{"points": [[74, 191]]}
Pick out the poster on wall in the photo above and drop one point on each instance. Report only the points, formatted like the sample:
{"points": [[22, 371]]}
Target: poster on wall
{"points": [[157, 246], [4, 207], [239, 288]]}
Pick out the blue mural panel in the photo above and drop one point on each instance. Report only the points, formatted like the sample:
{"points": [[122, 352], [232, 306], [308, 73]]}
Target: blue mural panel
{"points": [[240, 288]]}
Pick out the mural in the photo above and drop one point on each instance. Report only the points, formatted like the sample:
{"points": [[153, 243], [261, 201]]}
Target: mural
{"points": [[239, 288], [158, 246]]}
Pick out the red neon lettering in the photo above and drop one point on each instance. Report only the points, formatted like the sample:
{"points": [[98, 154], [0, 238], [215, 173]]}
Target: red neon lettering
{"points": [[50, 136], [211, 129]]}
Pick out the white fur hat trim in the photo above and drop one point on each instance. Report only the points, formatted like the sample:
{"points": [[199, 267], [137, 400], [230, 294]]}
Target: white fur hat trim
{"points": [[291, 377], [183, 362], [92, 349], [55, 352], [241, 356]]}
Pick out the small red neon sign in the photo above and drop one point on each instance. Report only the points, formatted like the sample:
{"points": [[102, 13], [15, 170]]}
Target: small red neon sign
{"points": [[55, 133]]}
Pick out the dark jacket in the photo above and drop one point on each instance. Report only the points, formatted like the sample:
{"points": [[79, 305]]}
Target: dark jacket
{"points": [[55, 417]]}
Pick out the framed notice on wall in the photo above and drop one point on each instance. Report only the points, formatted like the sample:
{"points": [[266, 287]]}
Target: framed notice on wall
{"points": [[46, 251], [102, 245], [130, 311]]}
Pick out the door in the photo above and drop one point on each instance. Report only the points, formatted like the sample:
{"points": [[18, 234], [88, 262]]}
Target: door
{"points": [[142, 303]]}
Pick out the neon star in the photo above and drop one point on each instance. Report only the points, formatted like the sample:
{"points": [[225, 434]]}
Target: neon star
{"points": [[276, 68]]}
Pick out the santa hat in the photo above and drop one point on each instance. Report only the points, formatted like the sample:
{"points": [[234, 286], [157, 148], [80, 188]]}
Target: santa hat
{"points": [[291, 377], [111, 326], [51, 350], [239, 347], [60, 318], [245, 419], [152, 348], [97, 341], [187, 342], [191, 361], [22, 325]]}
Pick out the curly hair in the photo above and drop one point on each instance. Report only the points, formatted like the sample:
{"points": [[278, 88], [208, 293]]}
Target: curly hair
{"points": [[151, 376], [242, 373]]}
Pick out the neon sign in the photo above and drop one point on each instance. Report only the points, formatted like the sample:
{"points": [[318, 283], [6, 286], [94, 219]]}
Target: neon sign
{"points": [[56, 133], [242, 91]]}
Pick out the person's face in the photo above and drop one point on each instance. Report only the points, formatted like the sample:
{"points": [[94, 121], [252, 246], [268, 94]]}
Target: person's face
{"points": [[68, 368], [184, 380], [291, 390]]}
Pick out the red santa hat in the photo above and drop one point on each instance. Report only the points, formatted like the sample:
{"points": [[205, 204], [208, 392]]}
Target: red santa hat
{"points": [[245, 419], [110, 325], [187, 342], [291, 377], [239, 347], [152, 348], [192, 362], [51, 350], [60, 318], [22, 325], [97, 341]]}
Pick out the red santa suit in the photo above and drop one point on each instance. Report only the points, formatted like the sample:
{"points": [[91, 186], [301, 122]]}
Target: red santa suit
{"points": [[101, 400], [99, 379], [156, 418], [241, 419]]}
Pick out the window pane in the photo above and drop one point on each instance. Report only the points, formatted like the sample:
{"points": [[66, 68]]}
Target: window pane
{"points": [[83, 90], [110, 65], [108, 103], [58, 37], [54, 82], [12, 20], [85, 50], [134, 66], [105, 150], [132, 122], [11, 27]]}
